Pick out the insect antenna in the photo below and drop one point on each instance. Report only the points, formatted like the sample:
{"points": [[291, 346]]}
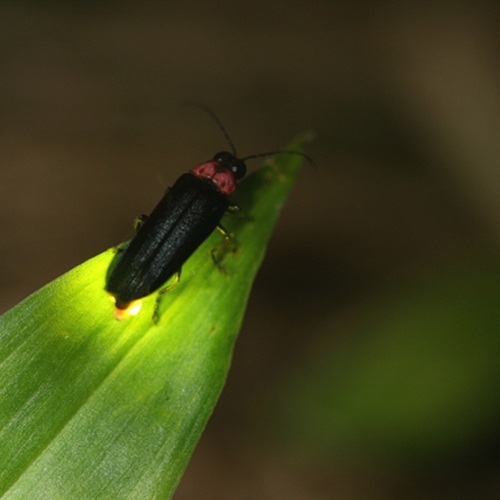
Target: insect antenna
{"points": [[216, 119]]}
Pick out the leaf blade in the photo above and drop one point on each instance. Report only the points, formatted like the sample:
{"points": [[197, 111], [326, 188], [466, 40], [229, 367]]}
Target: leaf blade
{"points": [[96, 407]]}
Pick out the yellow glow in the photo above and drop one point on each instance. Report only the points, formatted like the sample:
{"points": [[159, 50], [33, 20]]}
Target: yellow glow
{"points": [[131, 310]]}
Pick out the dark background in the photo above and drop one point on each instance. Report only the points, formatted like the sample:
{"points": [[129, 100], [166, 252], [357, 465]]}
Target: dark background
{"points": [[400, 219]]}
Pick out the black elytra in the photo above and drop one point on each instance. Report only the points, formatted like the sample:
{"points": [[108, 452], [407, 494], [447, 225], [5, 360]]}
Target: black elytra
{"points": [[187, 214]]}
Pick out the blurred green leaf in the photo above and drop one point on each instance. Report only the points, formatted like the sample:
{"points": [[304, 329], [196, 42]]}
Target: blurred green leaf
{"points": [[91, 407], [416, 377]]}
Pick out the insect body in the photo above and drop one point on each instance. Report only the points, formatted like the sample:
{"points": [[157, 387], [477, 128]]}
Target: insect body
{"points": [[188, 213]]}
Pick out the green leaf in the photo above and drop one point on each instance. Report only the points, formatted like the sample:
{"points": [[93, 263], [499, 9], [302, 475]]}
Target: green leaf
{"points": [[92, 407], [416, 377]]}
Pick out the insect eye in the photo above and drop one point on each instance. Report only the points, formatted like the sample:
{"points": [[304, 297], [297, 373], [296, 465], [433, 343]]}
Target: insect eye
{"points": [[223, 157], [238, 168]]}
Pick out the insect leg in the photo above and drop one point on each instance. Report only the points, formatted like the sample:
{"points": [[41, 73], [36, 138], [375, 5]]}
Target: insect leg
{"points": [[220, 250], [139, 221], [168, 288], [233, 209]]}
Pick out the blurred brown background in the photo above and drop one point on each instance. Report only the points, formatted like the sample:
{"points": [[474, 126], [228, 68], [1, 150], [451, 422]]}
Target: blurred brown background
{"points": [[367, 364]]}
